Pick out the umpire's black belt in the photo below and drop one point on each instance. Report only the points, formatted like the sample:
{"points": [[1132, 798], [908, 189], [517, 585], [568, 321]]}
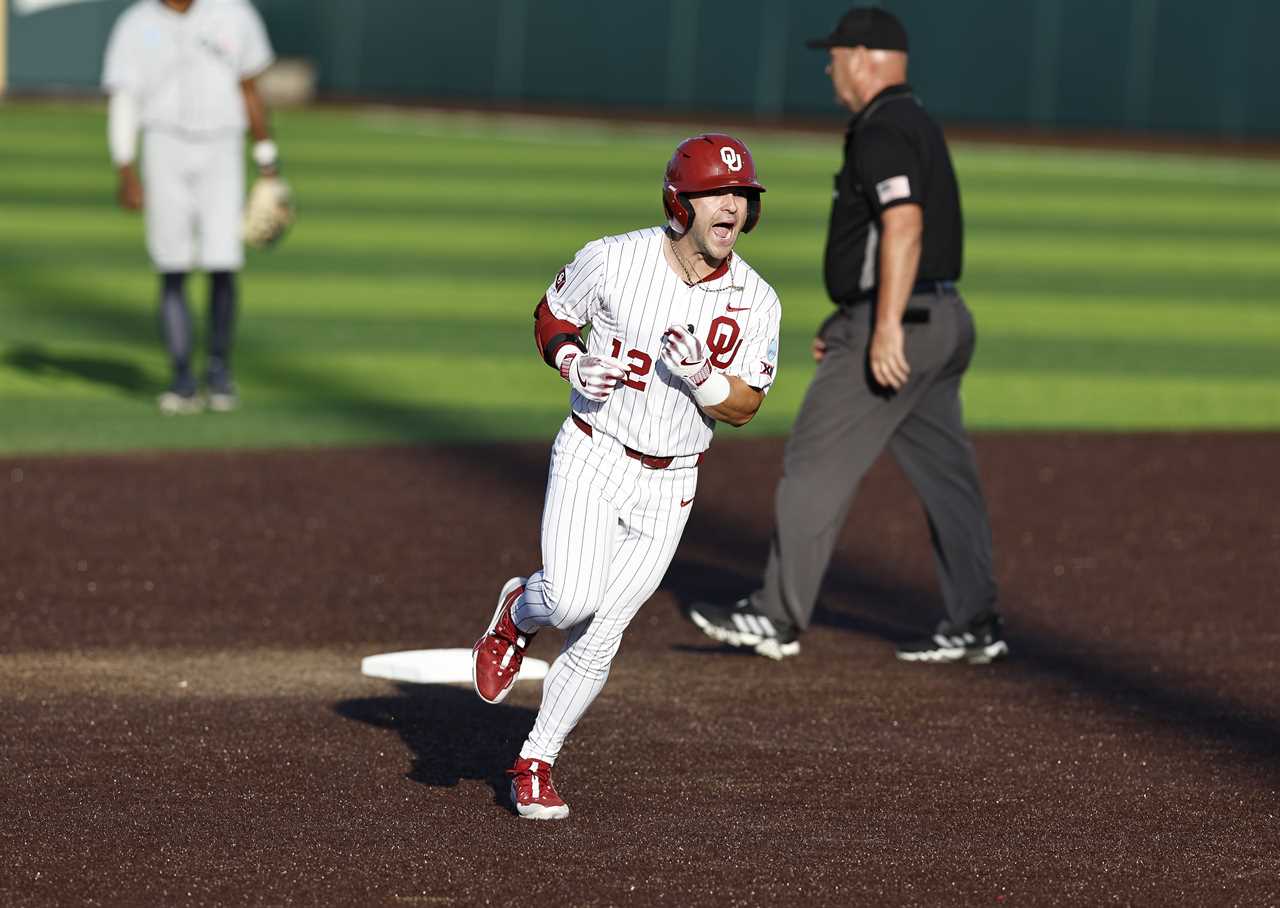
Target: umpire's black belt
{"points": [[916, 315], [919, 288]]}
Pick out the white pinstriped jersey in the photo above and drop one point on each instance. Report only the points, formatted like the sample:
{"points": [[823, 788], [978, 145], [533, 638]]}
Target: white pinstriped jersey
{"points": [[185, 69], [624, 289]]}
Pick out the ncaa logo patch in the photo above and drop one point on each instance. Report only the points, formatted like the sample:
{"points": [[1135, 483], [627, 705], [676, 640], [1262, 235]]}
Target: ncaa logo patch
{"points": [[731, 158], [560, 279]]}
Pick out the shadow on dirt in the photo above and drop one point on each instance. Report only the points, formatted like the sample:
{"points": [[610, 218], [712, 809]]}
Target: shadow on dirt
{"points": [[1123, 678], [1154, 694], [450, 732], [866, 599], [1114, 676]]}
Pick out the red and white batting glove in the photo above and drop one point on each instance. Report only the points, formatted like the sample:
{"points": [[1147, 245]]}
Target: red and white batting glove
{"points": [[593, 377], [686, 355]]}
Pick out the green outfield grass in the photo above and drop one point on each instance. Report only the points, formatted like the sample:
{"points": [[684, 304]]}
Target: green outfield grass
{"points": [[1112, 290]]}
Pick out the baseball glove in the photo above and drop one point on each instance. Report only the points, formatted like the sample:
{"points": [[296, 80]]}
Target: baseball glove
{"points": [[268, 212]]}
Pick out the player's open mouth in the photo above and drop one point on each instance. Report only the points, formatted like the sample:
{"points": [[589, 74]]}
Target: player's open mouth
{"points": [[722, 230]]}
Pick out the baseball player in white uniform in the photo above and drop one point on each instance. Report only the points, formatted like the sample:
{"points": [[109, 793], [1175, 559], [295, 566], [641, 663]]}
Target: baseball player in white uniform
{"points": [[183, 72], [683, 333]]}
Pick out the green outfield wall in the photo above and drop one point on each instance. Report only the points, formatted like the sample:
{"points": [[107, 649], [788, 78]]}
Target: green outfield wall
{"points": [[1166, 65]]}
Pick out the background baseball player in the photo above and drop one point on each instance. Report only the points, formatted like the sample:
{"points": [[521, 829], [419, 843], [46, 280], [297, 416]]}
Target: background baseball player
{"points": [[683, 333], [183, 71]]}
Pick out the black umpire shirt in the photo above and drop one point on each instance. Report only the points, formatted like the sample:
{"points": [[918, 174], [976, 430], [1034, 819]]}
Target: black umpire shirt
{"points": [[894, 153]]}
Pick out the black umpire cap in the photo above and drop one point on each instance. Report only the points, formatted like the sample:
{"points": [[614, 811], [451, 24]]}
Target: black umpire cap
{"points": [[866, 26]]}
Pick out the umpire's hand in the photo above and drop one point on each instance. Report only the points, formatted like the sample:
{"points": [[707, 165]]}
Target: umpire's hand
{"points": [[887, 358], [819, 346]]}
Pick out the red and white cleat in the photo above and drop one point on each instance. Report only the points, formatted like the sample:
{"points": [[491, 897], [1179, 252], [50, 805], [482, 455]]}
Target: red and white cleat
{"points": [[496, 657], [532, 794]]}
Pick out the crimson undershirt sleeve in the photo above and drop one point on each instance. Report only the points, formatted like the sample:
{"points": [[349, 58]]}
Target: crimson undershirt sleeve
{"points": [[551, 333]]}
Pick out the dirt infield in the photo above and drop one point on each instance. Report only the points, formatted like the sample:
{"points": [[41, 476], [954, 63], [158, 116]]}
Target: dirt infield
{"points": [[185, 722]]}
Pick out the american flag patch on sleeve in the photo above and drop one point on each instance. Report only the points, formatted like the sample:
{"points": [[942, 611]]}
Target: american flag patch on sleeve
{"points": [[893, 189]]}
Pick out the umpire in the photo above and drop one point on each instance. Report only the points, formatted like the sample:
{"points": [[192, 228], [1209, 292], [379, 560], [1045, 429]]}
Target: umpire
{"points": [[890, 363]]}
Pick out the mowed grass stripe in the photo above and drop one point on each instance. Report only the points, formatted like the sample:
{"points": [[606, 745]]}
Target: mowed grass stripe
{"points": [[1127, 317], [101, 426], [384, 205], [1066, 335], [33, 231], [441, 155], [361, 160], [428, 348], [345, 282], [1036, 266], [1011, 399], [1087, 400], [79, 130]]}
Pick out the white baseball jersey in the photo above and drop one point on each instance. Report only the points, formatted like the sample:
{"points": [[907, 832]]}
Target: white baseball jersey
{"points": [[610, 525], [185, 69], [625, 289]]}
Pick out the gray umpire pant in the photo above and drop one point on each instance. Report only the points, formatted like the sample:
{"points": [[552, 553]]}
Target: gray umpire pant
{"points": [[846, 420]]}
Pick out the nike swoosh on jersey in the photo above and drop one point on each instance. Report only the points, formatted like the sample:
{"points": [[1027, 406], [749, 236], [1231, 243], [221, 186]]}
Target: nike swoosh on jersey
{"points": [[736, 308], [685, 504]]}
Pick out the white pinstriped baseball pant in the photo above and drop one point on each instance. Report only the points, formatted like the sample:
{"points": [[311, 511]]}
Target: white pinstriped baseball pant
{"points": [[610, 528]]}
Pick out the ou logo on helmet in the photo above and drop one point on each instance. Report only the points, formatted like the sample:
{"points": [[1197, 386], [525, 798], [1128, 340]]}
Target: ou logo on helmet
{"points": [[731, 158]]}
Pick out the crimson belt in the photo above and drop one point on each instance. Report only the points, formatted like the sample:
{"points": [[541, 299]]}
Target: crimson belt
{"points": [[652, 461]]}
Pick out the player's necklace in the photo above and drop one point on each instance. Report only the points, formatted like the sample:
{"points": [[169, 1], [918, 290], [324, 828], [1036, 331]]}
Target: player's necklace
{"points": [[690, 280], [688, 276]]}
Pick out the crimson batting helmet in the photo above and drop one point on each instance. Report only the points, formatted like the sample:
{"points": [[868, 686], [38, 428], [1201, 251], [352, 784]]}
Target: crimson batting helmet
{"points": [[703, 164]]}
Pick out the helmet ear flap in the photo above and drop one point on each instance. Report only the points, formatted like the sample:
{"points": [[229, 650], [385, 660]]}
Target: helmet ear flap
{"points": [[753, 212], [679, 211]]}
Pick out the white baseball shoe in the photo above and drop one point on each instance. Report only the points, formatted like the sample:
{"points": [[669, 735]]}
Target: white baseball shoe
{"points": [[172, 403], [223, 401]]}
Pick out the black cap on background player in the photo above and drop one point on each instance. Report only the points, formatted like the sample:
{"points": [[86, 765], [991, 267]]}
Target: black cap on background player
{"points": [[866, 26]]}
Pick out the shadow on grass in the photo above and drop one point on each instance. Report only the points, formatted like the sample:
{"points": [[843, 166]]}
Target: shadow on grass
{"points": [[114, 319], [127, 377], [450, 733]]}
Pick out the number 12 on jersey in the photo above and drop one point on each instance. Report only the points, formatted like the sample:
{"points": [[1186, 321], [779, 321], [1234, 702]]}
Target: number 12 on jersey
{"points": [[639, 361]]}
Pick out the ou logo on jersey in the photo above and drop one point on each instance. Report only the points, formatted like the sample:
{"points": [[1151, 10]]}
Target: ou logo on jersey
{"points": [[731, 158], [723, 341]]}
